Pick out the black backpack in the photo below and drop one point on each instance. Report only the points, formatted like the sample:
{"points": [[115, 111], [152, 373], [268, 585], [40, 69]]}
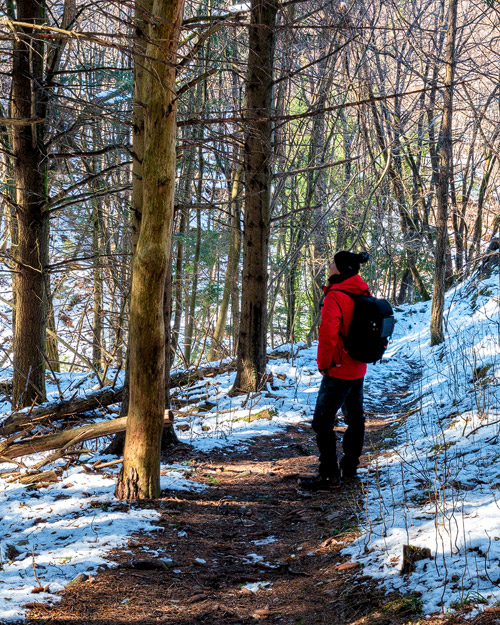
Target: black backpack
{"points": [[371, 327]]}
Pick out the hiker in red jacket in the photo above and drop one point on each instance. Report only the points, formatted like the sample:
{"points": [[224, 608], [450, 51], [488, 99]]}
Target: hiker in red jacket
{"points": [[342, 383]]}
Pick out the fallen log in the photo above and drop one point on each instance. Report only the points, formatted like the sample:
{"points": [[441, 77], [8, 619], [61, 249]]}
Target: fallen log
{"points": [[35, 478], [38, 444], [56, 411]]}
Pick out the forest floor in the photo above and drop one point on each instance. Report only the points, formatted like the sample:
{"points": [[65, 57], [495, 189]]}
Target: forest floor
{"points": [[249, 547]]}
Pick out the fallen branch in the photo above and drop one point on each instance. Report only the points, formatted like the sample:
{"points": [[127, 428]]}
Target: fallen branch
{"points": [[58, 410], [61, 439], [35, 478], [102, 465]]}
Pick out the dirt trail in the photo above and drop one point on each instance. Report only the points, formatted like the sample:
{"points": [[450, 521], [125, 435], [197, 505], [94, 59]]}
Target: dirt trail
{"points": [[250, 547]]}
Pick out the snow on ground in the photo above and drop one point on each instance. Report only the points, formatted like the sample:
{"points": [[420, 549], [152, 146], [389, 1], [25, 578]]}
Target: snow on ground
{"points": [[439, 488], [68, 528]]}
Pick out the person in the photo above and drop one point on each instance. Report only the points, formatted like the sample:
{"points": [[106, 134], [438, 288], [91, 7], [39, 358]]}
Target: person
{"points": [[342, 382]]}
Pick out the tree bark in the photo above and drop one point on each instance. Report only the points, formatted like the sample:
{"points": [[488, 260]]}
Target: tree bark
{"points": [[191, 309], [97, 316], [143, 11], [33, 73], [140, 475], [444, 172], [31, 252], [257, 166]]}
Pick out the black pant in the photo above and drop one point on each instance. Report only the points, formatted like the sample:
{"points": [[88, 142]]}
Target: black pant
{"points": [[333, 394]]}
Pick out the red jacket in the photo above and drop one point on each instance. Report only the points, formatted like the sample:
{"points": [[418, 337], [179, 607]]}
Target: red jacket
{"points": [[336, 316]]}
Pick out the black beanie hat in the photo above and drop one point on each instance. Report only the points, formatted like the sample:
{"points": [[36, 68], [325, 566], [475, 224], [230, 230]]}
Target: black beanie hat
{"points": [[348, 263]]}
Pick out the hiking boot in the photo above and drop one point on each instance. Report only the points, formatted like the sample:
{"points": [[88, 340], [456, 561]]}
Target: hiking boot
{"points": [[349, 474], [319, 483]]}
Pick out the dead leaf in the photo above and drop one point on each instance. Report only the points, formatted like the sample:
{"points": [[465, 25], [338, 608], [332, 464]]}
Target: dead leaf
{"points": [[328, 543], [262, 612], [196, 598], [347, 566]]}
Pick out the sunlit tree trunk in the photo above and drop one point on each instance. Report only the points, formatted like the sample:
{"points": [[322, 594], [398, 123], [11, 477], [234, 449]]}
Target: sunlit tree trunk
{"points": [[443, 182], [143, 11], [140, 475]]}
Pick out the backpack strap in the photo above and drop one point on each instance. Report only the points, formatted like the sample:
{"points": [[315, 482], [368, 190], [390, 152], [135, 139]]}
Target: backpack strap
{"points": [[354, 296]]}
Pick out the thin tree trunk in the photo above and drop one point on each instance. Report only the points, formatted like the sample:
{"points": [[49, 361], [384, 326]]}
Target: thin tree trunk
{"points": [[341, 239], [179, 278], [474, 250], [52, 350], [189, 338], [233, 260], [444, 172], [97, 318], [253, 322], [140, 475]]}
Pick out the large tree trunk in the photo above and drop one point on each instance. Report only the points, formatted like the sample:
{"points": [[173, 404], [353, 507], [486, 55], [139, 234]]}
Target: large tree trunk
{"points": [[33, 74], [143, 11], [31, 252], [253, 322], [140, 475], [443, 182]]}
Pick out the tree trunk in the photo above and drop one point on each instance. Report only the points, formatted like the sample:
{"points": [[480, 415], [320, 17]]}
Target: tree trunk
{"points": [[233, 261], [143, 11], [189, 336], [475, 247], [31, 253], [52, 348], [443, 182], [179, 278], [140, 475], [257, 159], [56, 411], [97, 317], [168, 436]]}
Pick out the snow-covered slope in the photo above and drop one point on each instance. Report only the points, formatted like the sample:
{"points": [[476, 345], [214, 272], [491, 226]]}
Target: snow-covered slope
{"points": [[440, 487]]}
